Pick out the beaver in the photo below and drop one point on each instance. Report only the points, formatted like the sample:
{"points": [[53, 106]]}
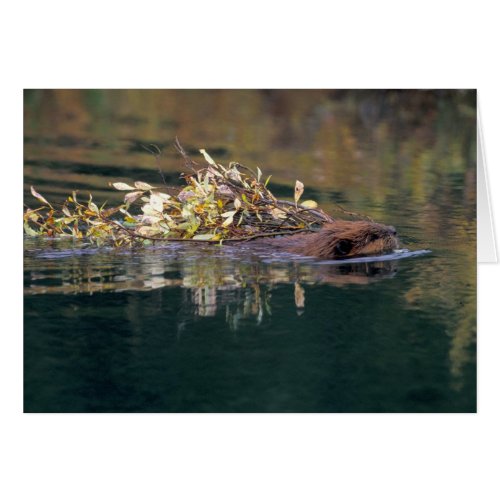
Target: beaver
{"points": [[341, 239]]}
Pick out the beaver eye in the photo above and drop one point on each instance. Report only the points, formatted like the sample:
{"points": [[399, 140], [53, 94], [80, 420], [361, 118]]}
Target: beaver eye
{"points": [[343, 247], [374, 237]]}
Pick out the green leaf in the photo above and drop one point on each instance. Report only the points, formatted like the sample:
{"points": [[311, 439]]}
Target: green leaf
{"points": [[29, 231], [203, 237]]}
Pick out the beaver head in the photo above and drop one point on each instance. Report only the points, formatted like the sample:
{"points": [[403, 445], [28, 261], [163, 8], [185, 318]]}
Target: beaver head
{"points": [[343, 239]]}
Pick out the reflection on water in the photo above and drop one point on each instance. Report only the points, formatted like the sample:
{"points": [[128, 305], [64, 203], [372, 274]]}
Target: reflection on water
{"points": [[217, 277], [55, 267], [182, 328]]}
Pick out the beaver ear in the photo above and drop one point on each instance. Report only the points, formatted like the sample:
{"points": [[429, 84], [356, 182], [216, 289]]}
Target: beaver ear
{"points": [[343, 247]]}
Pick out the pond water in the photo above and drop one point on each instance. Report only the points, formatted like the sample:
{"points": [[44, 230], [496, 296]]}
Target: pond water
{"points": [[179, 328]]}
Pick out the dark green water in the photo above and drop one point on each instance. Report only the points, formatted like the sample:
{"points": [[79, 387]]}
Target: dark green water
{"points": [[176, 329]]}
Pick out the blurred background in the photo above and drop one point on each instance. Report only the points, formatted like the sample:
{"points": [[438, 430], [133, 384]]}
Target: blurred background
{"points": [[368, 146]]}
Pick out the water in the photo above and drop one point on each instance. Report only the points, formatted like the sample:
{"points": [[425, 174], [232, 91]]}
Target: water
{"points": [[178, 328]]}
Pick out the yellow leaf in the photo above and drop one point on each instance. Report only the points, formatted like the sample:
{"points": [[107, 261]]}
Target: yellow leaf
{"points": [[148, 231], [309, 204]]}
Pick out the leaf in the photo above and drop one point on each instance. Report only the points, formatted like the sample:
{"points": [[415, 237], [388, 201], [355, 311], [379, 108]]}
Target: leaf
{"points": [[164, 196], [267, 181], [205, 184], [65, 211], [92, 206], [156, 202], [32, 216], [150, 219], [237, 203], [148, 231], [143, 185], [309, 204], [123, 211], [277, 213], [208, 158], [259, 174], [29, 231], [203, 237], [215, 172], [228, 221], [121, 186], [299, 189], [149, 210], [131, 197], [40, 197], [187, 211]]}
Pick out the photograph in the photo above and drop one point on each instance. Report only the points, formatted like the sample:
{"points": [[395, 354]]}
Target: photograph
{"points": [[249, 250]]}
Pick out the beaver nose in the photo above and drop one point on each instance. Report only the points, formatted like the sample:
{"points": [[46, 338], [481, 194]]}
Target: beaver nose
{"points": [[392, 230]]}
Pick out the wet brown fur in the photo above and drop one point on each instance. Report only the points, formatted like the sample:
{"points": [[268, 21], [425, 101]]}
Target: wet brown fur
{"points": [[342, 240]]}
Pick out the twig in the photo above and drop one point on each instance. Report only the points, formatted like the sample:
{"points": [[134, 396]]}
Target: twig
{"points": [[188, 162], [318, 213], [157, 155], [354, 214]]}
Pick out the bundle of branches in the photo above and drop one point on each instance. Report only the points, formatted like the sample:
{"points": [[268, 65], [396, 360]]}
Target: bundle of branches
{"points": [[217, 204]]}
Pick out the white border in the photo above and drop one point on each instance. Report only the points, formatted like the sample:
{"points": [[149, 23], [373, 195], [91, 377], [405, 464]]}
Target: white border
{"points": [[259, 44]]}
